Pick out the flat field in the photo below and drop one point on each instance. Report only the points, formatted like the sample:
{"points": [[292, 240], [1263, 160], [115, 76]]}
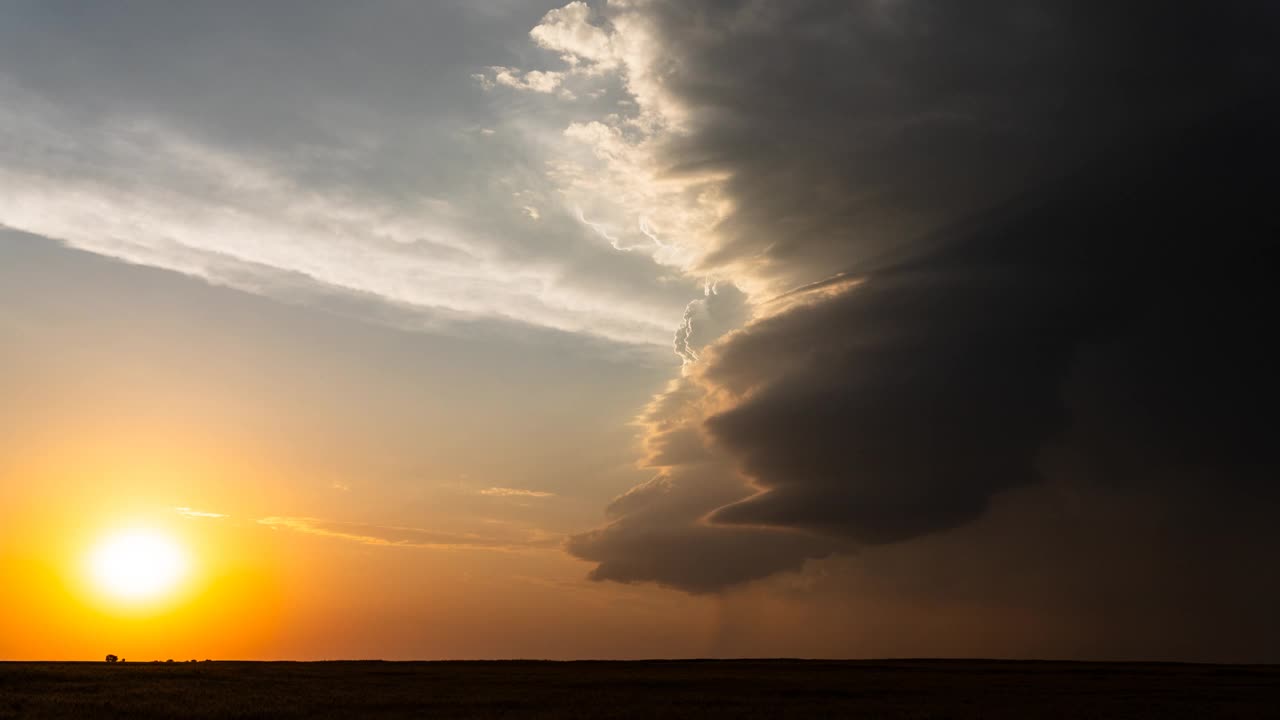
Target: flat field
{"points": [[649, 689]]}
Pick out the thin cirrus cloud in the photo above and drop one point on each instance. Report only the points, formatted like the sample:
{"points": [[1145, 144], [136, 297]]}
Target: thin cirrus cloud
{"points": [[517, 539], [515, 492], [411, 537]]}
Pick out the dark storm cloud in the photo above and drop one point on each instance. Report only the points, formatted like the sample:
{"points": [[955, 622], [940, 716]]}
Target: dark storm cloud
{"points": [[1054, 214], [657, 536], [924, 400], [850, 129], [901, 406]]}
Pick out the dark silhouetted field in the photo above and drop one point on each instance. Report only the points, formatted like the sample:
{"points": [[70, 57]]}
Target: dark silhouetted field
{"points": [[675, 689]]}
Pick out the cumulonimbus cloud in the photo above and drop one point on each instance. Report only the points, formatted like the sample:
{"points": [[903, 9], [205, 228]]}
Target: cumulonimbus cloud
{"points": [[972, 201]]}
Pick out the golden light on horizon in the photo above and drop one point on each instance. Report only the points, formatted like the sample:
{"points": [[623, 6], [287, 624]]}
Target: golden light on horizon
{"points": [[138, 565]]}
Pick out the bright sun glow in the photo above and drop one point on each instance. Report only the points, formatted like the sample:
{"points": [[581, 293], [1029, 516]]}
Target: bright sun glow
{"points": [[138, 565]]}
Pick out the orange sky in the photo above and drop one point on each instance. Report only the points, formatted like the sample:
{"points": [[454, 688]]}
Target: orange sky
{"points": [[356, 502], [617, 329]]}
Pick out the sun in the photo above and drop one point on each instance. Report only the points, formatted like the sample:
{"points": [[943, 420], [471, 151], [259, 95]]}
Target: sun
{"points": [[137, 565]]}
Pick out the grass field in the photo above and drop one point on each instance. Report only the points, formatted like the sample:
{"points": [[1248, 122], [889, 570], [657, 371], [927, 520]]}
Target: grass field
{"points": [[669, 689]]}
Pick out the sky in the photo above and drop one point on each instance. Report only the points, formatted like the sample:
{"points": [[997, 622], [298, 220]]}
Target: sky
{"points": [[641, 328]]}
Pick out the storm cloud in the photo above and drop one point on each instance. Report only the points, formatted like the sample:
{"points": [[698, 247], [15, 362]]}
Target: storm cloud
{"points": [[982, 244]]}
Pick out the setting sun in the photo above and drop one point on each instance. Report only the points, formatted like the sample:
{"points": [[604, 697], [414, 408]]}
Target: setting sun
{"points": [[137, 565]]}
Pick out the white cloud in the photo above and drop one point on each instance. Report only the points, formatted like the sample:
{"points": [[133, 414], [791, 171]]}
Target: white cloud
{"points": [[609, 176], [584, 46], [533, 80], [611, 170]]}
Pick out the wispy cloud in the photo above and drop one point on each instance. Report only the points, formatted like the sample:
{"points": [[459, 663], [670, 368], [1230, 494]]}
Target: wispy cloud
{"points": [[266, 225], [189, 512], [519, 540], [515, 492]]}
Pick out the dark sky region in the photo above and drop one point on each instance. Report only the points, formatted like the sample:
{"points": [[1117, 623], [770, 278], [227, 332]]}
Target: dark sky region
{"points": [[971, 302]]}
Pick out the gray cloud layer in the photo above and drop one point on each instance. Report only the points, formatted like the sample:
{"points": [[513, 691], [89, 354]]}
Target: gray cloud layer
{"points": [[313, 145]]}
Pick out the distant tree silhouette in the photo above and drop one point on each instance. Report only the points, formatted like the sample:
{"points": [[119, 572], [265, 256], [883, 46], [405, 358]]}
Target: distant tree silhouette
{"points": [[112, 658]]}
